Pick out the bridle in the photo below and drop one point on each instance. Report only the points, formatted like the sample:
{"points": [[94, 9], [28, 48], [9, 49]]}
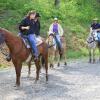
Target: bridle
{"points": [[53, 44]]}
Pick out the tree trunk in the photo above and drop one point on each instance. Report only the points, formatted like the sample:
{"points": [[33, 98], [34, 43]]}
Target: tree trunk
{"points": [[57, 2]]}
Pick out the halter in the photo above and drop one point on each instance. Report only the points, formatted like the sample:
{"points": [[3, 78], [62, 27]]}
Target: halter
{"points": [[49, 46]]}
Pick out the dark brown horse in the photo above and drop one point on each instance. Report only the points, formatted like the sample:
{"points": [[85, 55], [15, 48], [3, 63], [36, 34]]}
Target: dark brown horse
{"points": [[19, 53]]}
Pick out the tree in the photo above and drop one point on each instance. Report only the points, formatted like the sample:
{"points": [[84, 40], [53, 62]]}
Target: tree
{"points": [[57, 2]]}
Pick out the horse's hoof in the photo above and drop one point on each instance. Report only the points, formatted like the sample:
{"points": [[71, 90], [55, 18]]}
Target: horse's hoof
{"points": [[17, 87], [36, 81], [65, 63], [93, 61], [90, 61], [28, 76], [58, 64], [51, 66], [46, 82]]}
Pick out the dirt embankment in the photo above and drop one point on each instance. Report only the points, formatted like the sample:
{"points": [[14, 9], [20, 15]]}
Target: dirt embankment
{"points": [[3, 61]]}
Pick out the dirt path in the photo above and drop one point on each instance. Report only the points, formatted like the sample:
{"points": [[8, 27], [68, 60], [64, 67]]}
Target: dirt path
{"points": [[77, 81]]}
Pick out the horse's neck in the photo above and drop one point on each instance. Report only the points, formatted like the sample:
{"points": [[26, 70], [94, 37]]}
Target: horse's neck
{"points": [[9, 39]]}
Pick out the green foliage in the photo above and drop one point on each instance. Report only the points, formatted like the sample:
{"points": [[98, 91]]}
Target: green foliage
{"points": [[74, 15]]}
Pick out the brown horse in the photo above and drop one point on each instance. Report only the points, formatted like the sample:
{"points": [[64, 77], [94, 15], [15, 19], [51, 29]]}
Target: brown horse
{"points": [[19, 53], [53, 51]]}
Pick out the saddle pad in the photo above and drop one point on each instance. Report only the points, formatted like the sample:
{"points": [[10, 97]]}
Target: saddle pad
{"points": [[38, 41]]}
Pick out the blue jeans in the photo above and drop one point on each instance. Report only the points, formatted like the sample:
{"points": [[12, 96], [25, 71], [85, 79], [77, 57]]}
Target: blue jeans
{"points": [[32, 41], [58, 42], [98, 36]]}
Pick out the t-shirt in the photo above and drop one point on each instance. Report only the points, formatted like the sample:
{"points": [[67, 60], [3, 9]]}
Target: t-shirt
{"points": [[55, 28]]}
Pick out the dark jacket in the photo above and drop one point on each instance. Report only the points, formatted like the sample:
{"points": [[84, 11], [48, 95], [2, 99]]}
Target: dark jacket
{"points": [[27, 22], [37, 27], [95, 26]]}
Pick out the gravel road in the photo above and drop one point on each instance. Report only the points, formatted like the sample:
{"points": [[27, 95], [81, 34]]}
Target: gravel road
{"points": [[79, 80]]}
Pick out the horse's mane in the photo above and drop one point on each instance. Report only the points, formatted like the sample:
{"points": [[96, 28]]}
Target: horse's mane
{"points": [[3, 30]]}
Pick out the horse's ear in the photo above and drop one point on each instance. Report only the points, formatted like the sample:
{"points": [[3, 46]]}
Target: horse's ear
{"points": [[2, 39]]}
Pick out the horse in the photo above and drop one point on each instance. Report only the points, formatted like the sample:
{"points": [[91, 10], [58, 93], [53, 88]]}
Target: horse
{"points": [[92, 43], [64, 48], [20, 53], [53, 51]]}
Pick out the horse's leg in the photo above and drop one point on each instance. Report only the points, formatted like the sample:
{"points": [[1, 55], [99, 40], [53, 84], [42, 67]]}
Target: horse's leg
{"points": [[29, 68], [46, 68], [58, 60], [93, 55], [65, 58], [52, 59], [37, 63], [90, 56], [99, 53], [18, 67]]}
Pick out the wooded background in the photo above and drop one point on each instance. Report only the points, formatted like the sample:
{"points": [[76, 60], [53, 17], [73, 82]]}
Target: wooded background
{"points": [[74, 15]]}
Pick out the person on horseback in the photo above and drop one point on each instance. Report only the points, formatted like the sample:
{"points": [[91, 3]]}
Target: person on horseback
{"points": [[37, 24], [27, 28], [95, 29], [57, 31]]}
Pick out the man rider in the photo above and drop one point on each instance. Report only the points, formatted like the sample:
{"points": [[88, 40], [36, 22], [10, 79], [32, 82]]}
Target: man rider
{"points": [[95, 28]]}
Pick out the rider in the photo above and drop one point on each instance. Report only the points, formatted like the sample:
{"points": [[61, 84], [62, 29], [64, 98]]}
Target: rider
{"points": [[95, 28], [57, 30], [27, 28], [37, 24]]}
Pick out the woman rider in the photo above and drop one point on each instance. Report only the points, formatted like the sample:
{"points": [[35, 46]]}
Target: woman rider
{"points": [[27, 27], [56, 29]]}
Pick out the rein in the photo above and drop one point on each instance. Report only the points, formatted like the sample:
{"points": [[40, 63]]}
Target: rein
{"points": [[49, 46]]}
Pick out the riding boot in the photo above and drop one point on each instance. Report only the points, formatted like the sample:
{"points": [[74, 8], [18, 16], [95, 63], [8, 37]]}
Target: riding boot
{"points": [[8, 57]]}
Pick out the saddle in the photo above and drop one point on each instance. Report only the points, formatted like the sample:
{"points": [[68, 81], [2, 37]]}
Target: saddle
{"points": [[39, 41]]}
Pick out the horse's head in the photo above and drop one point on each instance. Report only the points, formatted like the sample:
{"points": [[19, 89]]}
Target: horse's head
{"points": [[2, 38], [51, 40]]}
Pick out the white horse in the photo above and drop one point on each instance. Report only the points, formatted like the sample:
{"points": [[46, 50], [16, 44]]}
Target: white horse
{"points": [[92, 43]]}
